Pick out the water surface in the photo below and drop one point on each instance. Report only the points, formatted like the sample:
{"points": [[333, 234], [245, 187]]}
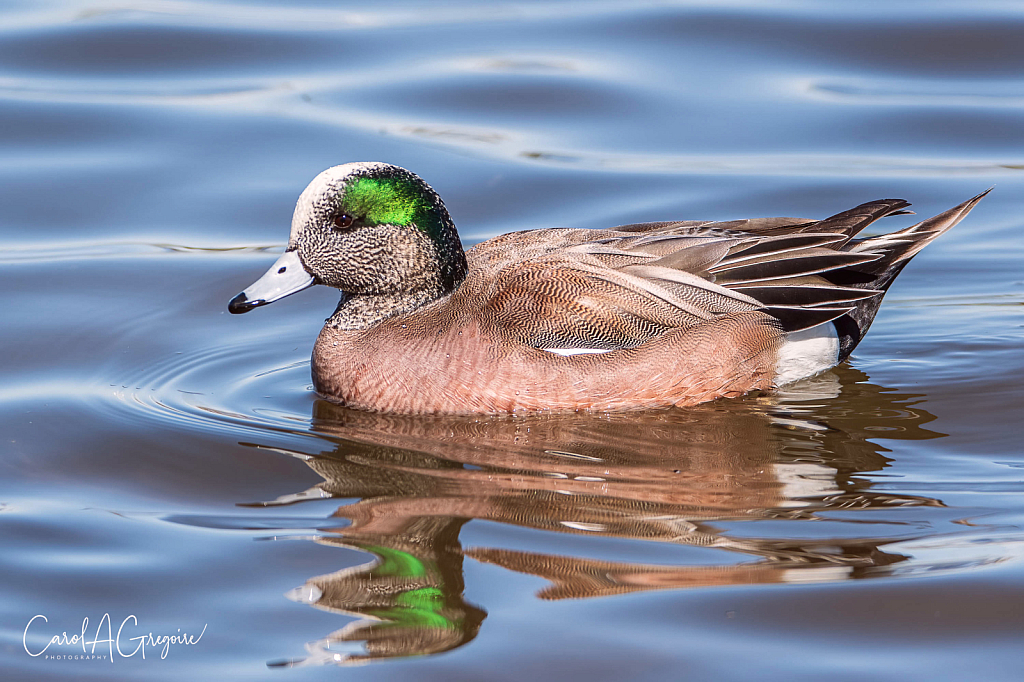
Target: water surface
{"points": [[164, 460]]}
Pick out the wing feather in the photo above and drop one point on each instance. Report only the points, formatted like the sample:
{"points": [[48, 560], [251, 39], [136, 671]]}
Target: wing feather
{"points": [[565, 288]]}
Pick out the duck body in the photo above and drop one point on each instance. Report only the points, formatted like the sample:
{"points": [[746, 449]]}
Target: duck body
{"points": [[465, 353], [638, 316]]}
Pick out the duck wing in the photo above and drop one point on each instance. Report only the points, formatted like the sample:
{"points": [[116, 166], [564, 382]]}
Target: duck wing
{"points": [[585, 290], [574, 301], [593, 290]]}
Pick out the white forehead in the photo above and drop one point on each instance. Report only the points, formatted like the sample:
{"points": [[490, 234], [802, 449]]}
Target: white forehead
{"points": [[322, 188]]}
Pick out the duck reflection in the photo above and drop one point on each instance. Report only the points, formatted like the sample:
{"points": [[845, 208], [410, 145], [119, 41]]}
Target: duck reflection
{"points": [[675, 476]]}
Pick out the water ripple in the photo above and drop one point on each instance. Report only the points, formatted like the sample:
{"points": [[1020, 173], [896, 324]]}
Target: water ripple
{"points": [[243, 375]]}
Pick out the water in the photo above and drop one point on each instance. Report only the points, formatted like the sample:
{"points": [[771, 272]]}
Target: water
{"points": [[164, 460]]}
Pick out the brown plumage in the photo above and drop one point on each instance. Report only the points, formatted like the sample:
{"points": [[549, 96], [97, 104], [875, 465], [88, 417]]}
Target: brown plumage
{"points": [[638, 316]]}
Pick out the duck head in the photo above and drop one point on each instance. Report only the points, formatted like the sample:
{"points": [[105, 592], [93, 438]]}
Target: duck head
{"points": [[370, 230]]}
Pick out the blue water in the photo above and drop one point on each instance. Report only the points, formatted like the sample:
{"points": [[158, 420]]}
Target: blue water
{"points": [[164, 460]]}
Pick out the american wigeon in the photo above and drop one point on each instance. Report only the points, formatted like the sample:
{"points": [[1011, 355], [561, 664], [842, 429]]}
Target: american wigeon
{"points": [[637, 316]]}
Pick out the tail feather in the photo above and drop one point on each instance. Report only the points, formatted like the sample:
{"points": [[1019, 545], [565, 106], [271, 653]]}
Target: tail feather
{"points": [[852, 221], [901, 246], [894, 251]]}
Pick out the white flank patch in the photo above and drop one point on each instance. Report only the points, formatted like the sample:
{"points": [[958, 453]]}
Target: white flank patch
{"points": [[806, 353], [575, 351], [801, 480]]}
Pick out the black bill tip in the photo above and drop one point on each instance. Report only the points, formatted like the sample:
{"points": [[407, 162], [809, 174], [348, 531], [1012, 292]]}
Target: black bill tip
{"points": [[240, 304]]}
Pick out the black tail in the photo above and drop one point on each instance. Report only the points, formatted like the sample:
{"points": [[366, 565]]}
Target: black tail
{"points": [[895, 251]]}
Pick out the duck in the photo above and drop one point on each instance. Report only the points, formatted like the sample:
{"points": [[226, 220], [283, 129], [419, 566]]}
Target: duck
{"points": [[641, 316]]}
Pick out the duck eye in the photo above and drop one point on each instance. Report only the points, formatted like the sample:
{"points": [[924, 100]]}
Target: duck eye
{"points": [[342, 221]]}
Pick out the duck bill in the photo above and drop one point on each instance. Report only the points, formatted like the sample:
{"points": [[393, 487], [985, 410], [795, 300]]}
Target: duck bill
{"points": [[284, 278]]}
